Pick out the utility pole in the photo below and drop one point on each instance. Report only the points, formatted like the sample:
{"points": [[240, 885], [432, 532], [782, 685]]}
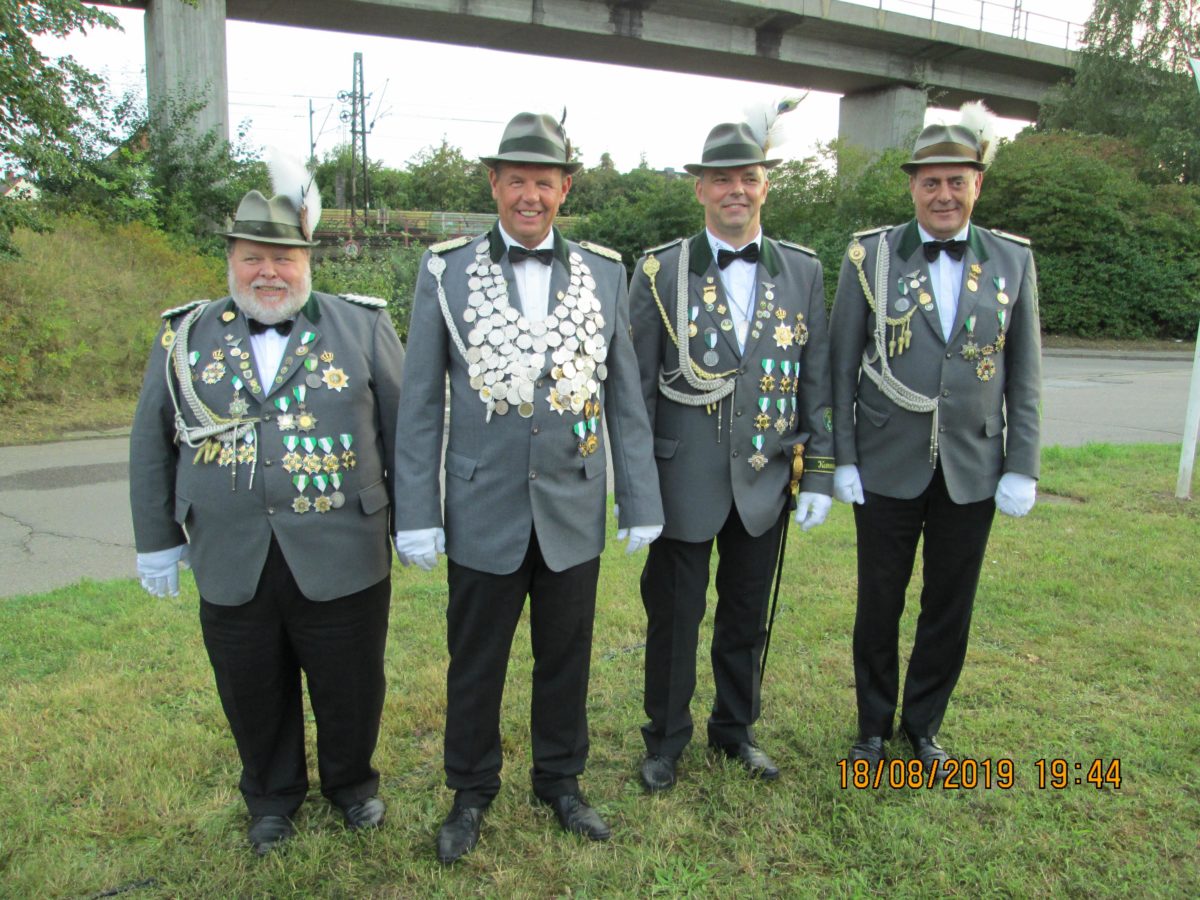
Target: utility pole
{"points": [[356, 116]]}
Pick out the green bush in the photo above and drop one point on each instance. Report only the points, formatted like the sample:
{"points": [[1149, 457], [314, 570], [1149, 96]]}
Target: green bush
{"points": [[388, 272], [1117, 256], [81, 305]]}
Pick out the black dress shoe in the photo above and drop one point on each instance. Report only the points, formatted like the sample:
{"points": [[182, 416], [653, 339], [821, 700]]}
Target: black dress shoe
{"points": [[931, 755], [459, 832], [268, 832], [658, 773], [367, 814], [575, 816], [868, 748], [753, 759]]}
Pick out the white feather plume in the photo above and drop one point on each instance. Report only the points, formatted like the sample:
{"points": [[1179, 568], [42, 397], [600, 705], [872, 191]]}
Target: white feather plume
{"points": [[980, 121], [290, 178], [763, 120]]}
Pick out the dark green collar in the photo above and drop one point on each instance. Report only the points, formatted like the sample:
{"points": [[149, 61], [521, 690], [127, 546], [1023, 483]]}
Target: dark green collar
{"points": [[700, 251], [311, 310], [910, 240], [497, 248]]}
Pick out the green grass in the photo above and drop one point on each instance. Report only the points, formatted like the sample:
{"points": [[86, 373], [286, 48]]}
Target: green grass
{"points": [[117, 772]]}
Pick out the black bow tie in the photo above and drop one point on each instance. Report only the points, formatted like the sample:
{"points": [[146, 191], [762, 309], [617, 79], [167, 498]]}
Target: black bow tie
{"points": [[517, 253], [955, 249], [749, 253], [257, 327]]}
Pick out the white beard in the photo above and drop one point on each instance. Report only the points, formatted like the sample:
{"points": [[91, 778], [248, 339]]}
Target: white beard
{"points": [[269, 315]]}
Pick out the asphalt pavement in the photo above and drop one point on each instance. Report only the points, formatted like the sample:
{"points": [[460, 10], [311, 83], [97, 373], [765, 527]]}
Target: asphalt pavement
{"points": [[64, 507]]}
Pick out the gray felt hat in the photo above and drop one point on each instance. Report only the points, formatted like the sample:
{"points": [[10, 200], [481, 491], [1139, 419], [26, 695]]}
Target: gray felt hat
{"points": [[729, 145], [942, 145], [274, 221], [534, 139]]}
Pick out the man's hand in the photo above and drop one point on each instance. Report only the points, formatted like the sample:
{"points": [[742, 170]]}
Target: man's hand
{"points": [[847, 486], [1015, 494], [639, 536], [811, 509], [420, 547], [159, 570]]}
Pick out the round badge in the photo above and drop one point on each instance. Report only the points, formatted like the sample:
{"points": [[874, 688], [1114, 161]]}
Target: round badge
{"points": [[711, 358], [338, 499], [313, 380]]}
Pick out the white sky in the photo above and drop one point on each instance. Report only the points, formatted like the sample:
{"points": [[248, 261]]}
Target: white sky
{"points": [[422, 92]]}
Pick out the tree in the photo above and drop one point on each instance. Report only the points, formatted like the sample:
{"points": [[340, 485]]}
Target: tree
{"points": [[441, 178], [1132, 81], [47, 107]]}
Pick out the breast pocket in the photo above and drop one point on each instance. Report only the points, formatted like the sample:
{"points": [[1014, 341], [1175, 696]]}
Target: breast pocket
{"points": [[876, 417], [460, 466]]}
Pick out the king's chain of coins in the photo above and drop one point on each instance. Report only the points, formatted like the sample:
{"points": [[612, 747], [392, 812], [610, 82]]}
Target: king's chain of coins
{"points": [[506, 353]]}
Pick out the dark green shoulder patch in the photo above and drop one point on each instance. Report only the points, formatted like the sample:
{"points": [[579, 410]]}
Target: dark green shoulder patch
{"points": [[870, 231], [180, 310], [1015, 238], [363, 300], [600, 251], [809, 250], [451, 244], [661, 247]]}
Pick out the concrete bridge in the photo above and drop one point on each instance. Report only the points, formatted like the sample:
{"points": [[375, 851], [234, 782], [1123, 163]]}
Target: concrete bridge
{"points": [[883, 63]]}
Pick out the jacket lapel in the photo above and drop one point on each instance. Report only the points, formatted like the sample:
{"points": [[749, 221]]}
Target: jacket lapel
{"points": [[302, 343], [968, 299], [910, 261]]}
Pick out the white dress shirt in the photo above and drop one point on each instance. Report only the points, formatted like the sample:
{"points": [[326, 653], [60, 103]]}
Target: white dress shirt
{"points": [[945, 276], [533, 280], [738, 280], [268, 349]]}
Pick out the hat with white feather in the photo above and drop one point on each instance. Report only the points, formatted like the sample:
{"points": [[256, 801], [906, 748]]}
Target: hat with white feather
{"points": [[972, 142], [734, 144], [290, 217]]}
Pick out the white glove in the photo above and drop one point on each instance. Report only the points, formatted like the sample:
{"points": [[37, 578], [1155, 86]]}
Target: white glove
{"points": [[811, 509], [847, 486], [420, 547], [639, 536], [1015, 494], [159, 570]]}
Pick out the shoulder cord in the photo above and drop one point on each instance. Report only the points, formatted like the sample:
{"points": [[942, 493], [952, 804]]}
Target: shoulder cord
{"points": [[436, 267], [199, 437], [710, 387], [891, 386]]}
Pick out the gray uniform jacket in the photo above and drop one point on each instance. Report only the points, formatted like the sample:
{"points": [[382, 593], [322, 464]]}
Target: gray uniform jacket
{"points": [[345, 360], [516, 474], [705, 458], [990, 367]]}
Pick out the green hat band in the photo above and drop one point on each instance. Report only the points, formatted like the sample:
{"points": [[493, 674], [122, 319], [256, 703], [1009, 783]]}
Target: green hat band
{"points": [[733, 151], [267, 230], [530, 143], [946, 148]]}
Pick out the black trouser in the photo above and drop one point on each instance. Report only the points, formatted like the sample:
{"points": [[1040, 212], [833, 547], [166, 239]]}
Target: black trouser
{"points": [[956, 537], [480, 623], [257, 652], [674, 589]]}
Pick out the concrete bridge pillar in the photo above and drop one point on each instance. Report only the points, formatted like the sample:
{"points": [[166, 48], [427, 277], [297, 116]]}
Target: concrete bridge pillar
{"points": [[878, 120], [185, 62]]}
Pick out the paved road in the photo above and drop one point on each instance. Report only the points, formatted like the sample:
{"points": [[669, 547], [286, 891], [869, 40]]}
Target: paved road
{"points": [[64, 508]]}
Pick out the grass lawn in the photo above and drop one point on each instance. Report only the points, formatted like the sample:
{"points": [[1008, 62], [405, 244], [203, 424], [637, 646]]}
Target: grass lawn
{"points": [[118, 777]]}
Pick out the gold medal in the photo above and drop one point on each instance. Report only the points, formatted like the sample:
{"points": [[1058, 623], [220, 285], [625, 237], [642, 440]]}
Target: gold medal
{"points": [[783, 336], [757, 461], [762, 421], [720, 309], [228, 316], [924, 298], [168, 337], [1002, 297], [972, 285], [301, 505], [693, 329]]}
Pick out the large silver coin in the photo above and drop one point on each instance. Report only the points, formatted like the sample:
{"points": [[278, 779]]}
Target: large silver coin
{"points": [[495, 337], [468, 315], [553, 338], [473, 355], [525, 391], [575, 257], [524, 341], [338, 499], [525, 410], [501, 408], [711, 357], [567, 327], [589, 282], [537, 329], [569, 369], [511, 314], [476, 382], [474, 284], [475, 337], [511, 331], [571, 344], [602, 371]]}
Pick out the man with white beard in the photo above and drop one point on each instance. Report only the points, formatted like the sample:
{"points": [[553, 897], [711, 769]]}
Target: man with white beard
{"points": [[260, 455]]}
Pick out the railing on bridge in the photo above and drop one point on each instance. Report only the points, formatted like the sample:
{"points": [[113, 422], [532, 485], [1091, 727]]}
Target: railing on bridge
{"points": [[997, 18]]}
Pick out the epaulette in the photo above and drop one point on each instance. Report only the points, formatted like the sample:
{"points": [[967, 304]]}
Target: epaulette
{"points": [[1015, 238], [870, 231], [662, 246], [809, 250], [451, 244], [364, 300], [180, 310], [601, 251]]}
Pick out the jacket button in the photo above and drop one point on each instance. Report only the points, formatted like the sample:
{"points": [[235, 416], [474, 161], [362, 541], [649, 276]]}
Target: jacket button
{"points": [[267, 417], [539, 384], [942, 429], [735, 453], [945, 393], [535, 430], [270, 510], [947, 356], [266, 462], [533, 476], [739, 412]]}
